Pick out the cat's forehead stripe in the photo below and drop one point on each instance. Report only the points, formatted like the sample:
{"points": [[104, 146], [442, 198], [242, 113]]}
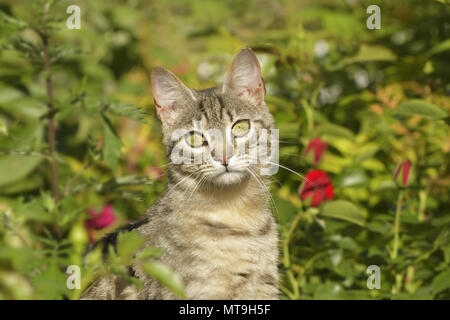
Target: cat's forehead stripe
{"points": [[222, 106], [202, 108], [220, 101]]}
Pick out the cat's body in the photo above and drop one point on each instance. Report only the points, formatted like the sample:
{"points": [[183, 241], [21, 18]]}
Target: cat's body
{"points": [[213, 221]]}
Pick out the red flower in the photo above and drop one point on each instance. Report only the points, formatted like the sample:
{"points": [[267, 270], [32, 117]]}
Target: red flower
{"points": [[318, 185], [102, 219], [318, 146], [406, 165]]}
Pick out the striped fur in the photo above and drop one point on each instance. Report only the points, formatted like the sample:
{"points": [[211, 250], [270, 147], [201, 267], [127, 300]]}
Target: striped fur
{"points": [[220, 238]]}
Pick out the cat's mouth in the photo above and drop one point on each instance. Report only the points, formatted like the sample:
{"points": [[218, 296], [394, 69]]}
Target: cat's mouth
{"points": [[229, 177]]}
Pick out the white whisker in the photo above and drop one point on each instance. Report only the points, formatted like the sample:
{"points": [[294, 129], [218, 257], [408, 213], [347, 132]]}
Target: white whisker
{"points": [[266, 190]]}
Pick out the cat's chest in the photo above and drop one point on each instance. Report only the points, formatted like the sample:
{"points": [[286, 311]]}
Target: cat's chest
{"points": [[228, 220], [230, 233], [217, 249]]}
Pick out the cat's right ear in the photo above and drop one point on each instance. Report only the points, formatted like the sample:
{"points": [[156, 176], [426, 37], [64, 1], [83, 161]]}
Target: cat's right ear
{"points": [[170, 94]]}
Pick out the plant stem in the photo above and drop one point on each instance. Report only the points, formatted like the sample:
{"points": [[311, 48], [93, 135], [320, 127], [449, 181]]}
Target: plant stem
{"points": [[27, 153], [51, 118], [398, 212], [286, 260], [66, 188], [287, 292], [294, 285]]}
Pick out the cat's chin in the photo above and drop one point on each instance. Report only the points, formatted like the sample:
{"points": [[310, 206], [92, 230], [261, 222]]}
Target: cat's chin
{"points": [[229, 178]]}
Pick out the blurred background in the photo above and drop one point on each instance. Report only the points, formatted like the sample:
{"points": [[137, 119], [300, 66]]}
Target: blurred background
{"points": [[366, 107]]}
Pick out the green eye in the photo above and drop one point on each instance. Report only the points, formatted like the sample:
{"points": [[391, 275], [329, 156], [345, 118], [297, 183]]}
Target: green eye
{"points": [[241, 128], [195, 139]]}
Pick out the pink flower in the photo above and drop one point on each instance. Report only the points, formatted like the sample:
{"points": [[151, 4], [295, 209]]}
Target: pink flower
{"points": [[318, 146], [100, 220], [318, 185], [406, 166]]}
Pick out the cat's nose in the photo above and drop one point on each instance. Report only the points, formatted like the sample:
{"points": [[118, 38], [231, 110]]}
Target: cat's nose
{"points": [[225, 161]]}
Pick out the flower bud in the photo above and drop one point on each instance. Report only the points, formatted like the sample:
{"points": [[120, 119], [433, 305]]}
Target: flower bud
{"points": [[318, 147], [402, 173]]}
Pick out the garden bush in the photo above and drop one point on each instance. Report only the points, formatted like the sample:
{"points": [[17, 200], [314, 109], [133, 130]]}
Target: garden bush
{"points": [[362, 113]]}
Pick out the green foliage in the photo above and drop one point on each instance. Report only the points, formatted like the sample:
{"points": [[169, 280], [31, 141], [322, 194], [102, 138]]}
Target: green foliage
{"points": [[112, 144], [127, 244], [441, 282], [376, 97], [420, 107], [166, 276], [42, 232], [344, 210]]}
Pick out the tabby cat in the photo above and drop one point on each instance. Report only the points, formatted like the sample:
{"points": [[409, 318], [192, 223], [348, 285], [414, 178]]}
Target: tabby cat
{"points": [[213, 220]]}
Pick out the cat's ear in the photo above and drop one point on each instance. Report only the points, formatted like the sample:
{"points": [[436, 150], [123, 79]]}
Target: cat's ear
{"points": [[244, 78], [170, 94]]}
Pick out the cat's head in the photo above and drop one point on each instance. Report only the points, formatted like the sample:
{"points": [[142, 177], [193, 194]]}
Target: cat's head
{"points": [[215, 135]]}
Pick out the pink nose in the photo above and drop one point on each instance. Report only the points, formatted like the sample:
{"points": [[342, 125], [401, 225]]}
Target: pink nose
{"points": [[224, 160]]}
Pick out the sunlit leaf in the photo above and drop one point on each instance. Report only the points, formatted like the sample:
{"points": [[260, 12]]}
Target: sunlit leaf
{"points": [[112, 144], [368, 53], [352, 178], [127, 110], [166, 276], [149, 252], [440, 47], [441, 282], [333, 130], [344, 210], [127, 244], [420, 107]]}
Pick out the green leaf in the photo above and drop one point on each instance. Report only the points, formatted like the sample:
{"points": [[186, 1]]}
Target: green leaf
{"points": [[3, 127], [149, 252], [50, 284], [420, 107], [286, 210], [47, 201], [166, 276], [441, 282], [352, 178], [117, 182], [135, 281], [368, 53], [344, 210], [94, 151], [127, 244], [14, 168], [440, 47], [32, 182], [25, 47], [11, 22], [17, 286], [112, 144], [127, 110], [333, 130]]}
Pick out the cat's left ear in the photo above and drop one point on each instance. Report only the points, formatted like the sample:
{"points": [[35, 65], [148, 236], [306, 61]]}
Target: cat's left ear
{"points": [[244, 78]]}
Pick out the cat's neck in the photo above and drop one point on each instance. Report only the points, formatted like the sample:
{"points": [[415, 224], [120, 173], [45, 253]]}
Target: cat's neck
{"points": [[244, 206], [248, 193]]}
